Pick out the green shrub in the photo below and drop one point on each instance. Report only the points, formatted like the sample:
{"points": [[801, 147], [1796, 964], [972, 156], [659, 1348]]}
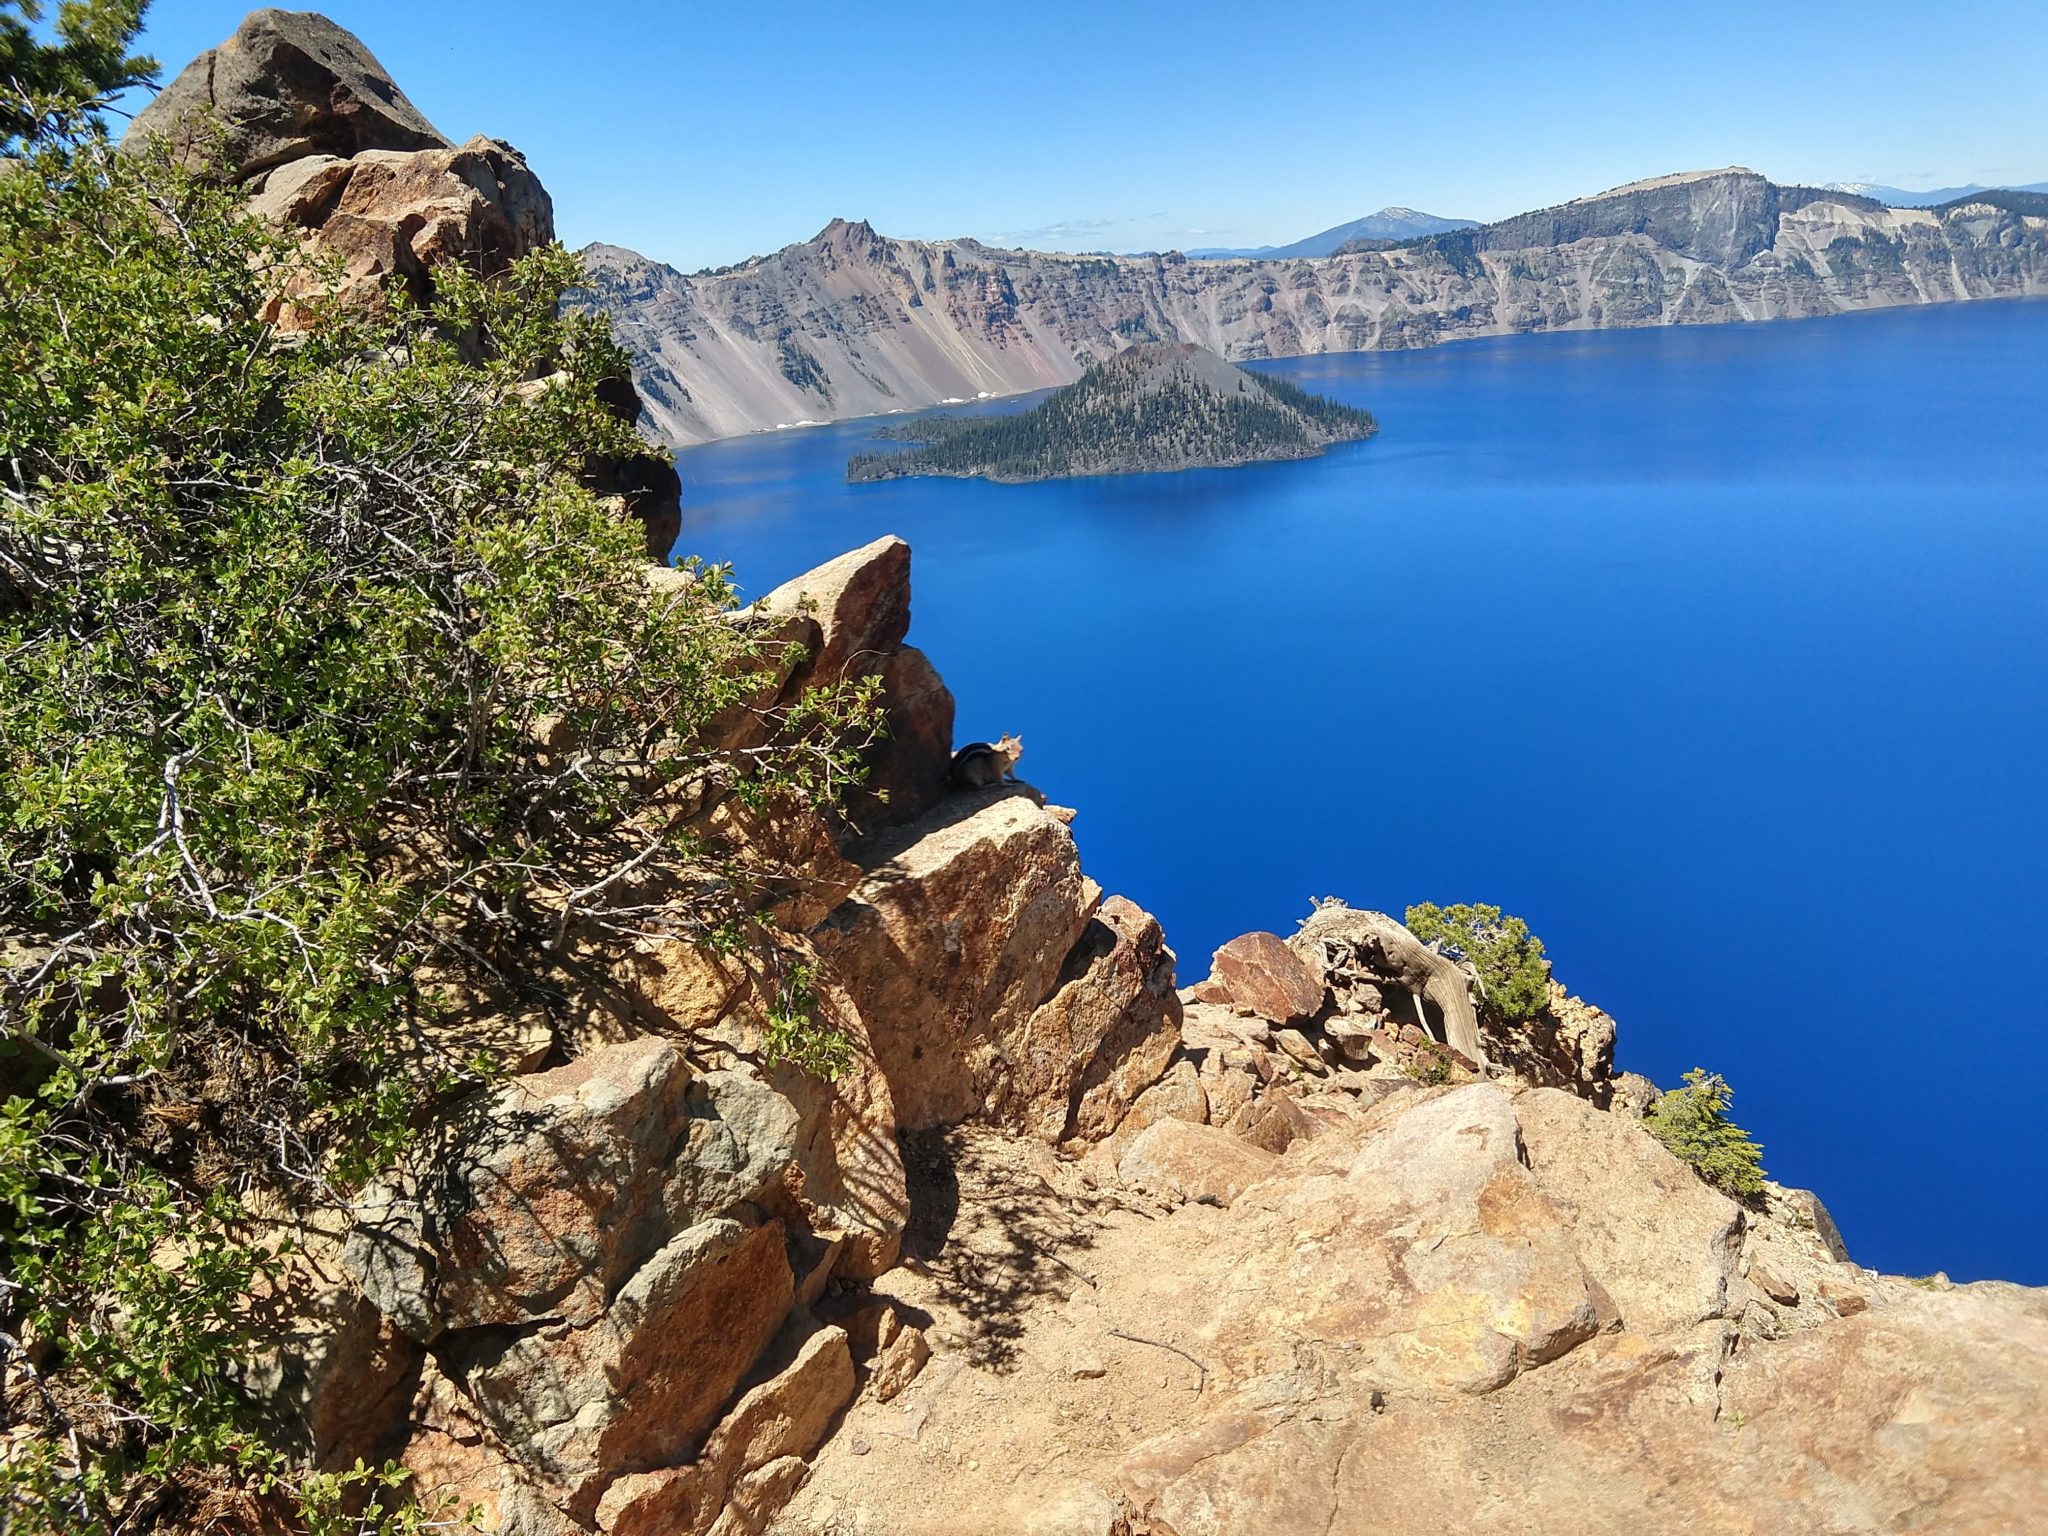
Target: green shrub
{"points": [[1693, 1123], [331, 703], [1513, 975]]}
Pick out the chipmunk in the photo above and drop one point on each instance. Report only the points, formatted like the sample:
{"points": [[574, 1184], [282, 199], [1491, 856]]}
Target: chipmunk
{"points": [[981, 764]]}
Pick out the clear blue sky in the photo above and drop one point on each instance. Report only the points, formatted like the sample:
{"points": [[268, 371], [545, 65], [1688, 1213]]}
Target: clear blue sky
{"points": [[704, 133]]}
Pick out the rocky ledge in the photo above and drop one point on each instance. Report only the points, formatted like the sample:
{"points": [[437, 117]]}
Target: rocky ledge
{"points": [[1073, 1250]]}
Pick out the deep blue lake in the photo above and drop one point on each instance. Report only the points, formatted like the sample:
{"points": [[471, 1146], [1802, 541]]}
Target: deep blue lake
{"points": [[1719, 654]]}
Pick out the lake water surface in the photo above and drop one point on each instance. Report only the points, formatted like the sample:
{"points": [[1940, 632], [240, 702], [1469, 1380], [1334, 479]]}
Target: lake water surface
{"points": [[1719, 654]]}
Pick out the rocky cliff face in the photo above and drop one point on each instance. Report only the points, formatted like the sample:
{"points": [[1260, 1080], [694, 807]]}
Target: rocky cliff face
{"points": [[1306, 1246], [852, 323]]}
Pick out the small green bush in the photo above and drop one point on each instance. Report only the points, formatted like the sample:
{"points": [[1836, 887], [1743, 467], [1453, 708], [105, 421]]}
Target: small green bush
{"points": [[1514, 978], [1693, 1123]]}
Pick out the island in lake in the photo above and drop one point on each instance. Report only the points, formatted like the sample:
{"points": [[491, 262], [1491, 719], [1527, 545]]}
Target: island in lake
{"points": [[1153, 407]]}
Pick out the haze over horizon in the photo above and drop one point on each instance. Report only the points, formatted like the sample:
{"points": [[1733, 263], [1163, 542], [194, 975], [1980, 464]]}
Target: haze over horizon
{"points": [[706, 138]]}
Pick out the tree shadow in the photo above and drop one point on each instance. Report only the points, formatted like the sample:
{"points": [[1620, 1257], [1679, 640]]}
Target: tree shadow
{"points": [[995, 1238]]}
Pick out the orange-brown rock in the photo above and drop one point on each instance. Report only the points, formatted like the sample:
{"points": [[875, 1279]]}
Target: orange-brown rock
{"points": [[1104, 1036], [849, 1178], [542, 1198], [781, 1420], [400, 215], [1259, 974], [952, 941], [907, 767], [861, 602], [639, 1386], [1181, 1160]]}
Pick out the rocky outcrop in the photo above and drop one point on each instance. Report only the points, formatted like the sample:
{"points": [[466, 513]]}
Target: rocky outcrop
{"points": [[1244, 1260], [297, 112], [1456, 1309], [586, 1300], [853, 323], [1256, 973], [288, 86]]}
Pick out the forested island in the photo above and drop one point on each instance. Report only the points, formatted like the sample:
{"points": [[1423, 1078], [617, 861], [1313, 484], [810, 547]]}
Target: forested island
{"points": [[1153, 407]]}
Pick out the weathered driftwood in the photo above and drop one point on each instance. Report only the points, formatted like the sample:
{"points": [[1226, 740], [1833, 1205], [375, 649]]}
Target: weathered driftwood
{"points": [[1387, 949]]}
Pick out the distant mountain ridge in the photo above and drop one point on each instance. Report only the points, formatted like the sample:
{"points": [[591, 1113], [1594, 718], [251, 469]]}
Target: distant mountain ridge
{"points": [[1388, 224], [1898, 197], [852, 323]]}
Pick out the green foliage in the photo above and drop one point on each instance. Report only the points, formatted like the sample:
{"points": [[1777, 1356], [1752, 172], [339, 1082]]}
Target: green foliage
{"points": [[331, 704], [1431, 1066], [1513, 975], [49, 85], [1101, 423], [795, 1034], [375, 1501], [1693, 1123]]}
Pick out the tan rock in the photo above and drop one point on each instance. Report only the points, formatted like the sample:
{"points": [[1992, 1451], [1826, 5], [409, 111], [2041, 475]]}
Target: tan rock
{"points": [[780, 1421], [1277, 1122], [458, 1464], [300, 193], [1261, 975], [1216, 1025], [1568, 1044], [897, 1365], [540, 1198], [400, 215], [1228, 1084], [1294, 1045], [1178, 1095], [639, 1386], [1179, 1160], [1766, 1278], [1104, 1036], [952, 941], [1662, 1243], [1354, 1038], [780, 646], [861, 602]]}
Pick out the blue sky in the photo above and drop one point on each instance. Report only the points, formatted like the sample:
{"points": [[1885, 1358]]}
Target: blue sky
{"points": [[702, 134]]}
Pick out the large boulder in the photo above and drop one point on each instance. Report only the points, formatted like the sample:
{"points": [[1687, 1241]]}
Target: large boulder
{"points": [[957, 934], [1917, 1416], [1663, 1244], [1258, 974], [637, 1387], [861, 602], [785, 1416], [386, 214], [1179, 1160], [1104, 1036], [1425, 1246], [286, 85], [539, 1200], [907, 768]]}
